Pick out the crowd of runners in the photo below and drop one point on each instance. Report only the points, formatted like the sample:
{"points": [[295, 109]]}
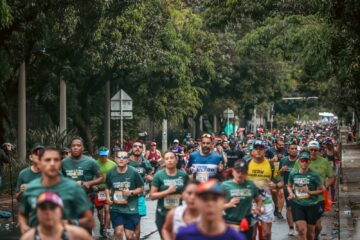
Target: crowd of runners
{"points": [[213, 187]]}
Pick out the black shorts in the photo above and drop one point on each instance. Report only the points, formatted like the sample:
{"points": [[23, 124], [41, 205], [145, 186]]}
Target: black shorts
{"points": [[309, 214], [321, 206], [287, 201]]}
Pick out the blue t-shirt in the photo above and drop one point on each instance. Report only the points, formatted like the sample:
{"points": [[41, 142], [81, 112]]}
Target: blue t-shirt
{"points": [[204, 166], [192, 232]]}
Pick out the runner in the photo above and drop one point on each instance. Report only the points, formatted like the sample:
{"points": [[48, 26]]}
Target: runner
{"points": [[76, 205], [177, 149], [275, 154], [30, 173], [49, 211], [183, 215], [332, 155], [82, 169], [154, 156], [262, 172], [286, 165], [143, 166], [65, 152], [123, 185], [304, 186], [239, 194], [321, 166], [167, 186], [210, 201], [102, 208], [205, 164], [5, 157]]}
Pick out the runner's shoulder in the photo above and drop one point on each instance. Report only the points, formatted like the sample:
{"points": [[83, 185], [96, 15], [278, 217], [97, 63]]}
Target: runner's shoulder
{"points": [[76, 232], [24, 171]]}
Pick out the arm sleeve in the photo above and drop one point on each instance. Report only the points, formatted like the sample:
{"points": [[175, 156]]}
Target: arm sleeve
{"points": [[139, 182], [19, 182], [81, 201], [156, 180]]}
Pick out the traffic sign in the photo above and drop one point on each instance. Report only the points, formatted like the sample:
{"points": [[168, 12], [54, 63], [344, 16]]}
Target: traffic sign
{"points": [[117, 115], [228, 113], [121, 101]]}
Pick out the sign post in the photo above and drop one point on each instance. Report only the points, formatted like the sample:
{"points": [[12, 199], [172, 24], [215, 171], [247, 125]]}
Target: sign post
{"points": [[121, 108]]}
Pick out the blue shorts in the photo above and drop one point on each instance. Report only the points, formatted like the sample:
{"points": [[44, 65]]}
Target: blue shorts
{"points": [[129, 221]]}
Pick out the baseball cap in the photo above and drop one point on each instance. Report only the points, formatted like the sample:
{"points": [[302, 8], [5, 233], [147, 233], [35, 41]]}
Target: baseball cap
{"points": [[176, 141], [49, 197], [304, 155], [36, 147], [250, 141], [259, 143], [314, 144], [103, 151], [211, 186], [241, 165], [153, 144]]}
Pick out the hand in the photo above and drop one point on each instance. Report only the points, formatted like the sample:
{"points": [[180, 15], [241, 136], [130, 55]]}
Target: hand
{"points": [[234, 201], [95, 188], [284, 169], [108, 201], [148, 178], [291, 196], [86, 185], [272, 185], [22, 187], [126, 192], [171, 189], [257, 211], [221, 167]]}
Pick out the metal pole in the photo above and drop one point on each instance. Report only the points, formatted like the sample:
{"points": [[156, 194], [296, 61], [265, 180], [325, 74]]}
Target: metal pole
{"points": [[62, 120], [107, 115], [228, 120], [164, 136], [121, 120], [22, 112]]}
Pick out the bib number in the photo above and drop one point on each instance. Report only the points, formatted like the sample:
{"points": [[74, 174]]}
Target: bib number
{"points": [[301, 194], [119, 197], [202, 177], [101, 196], [172, 201]]}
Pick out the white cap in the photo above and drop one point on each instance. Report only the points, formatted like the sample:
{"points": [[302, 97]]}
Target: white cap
{"points": [[176, 141]]}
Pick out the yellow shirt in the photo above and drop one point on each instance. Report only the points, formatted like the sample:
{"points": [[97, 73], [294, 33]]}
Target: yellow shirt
{"points": [[260, 173]]}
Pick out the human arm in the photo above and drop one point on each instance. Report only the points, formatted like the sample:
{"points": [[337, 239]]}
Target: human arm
{"points": [[96, 181], [232, 203], [167, 230], [258, 200], [78, 233], [155, 194], [29, 235], [23, 222]]}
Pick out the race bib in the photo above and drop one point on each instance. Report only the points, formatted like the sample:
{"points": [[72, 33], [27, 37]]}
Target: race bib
{"points": [[172, 201], [300, 193], [202, 177], [101, 196], [119, 197]]}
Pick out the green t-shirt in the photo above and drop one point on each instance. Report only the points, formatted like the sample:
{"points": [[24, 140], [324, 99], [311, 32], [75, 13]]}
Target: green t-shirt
{"points": [[311, 179], [246, 191], [105, 168], [143, 166], [162, 181], [285, 161], [84, 169], [73, 196], [320, 166], [26, 176], [116, 182]]}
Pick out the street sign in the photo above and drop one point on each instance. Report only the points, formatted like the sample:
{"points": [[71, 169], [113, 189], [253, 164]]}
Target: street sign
{"points": [[228, 113], [117, 115], [121, 101]]}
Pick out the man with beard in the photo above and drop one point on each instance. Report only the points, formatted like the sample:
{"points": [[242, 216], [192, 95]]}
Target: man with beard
{"points": [[286, 165], [144, 168], [206, 163], [82, 169]]}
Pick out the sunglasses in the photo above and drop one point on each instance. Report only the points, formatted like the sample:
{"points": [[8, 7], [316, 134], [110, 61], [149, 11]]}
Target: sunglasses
{"points": [[206, 135], [47, 206], [137, 146], [122, 157], [302, 160]]}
